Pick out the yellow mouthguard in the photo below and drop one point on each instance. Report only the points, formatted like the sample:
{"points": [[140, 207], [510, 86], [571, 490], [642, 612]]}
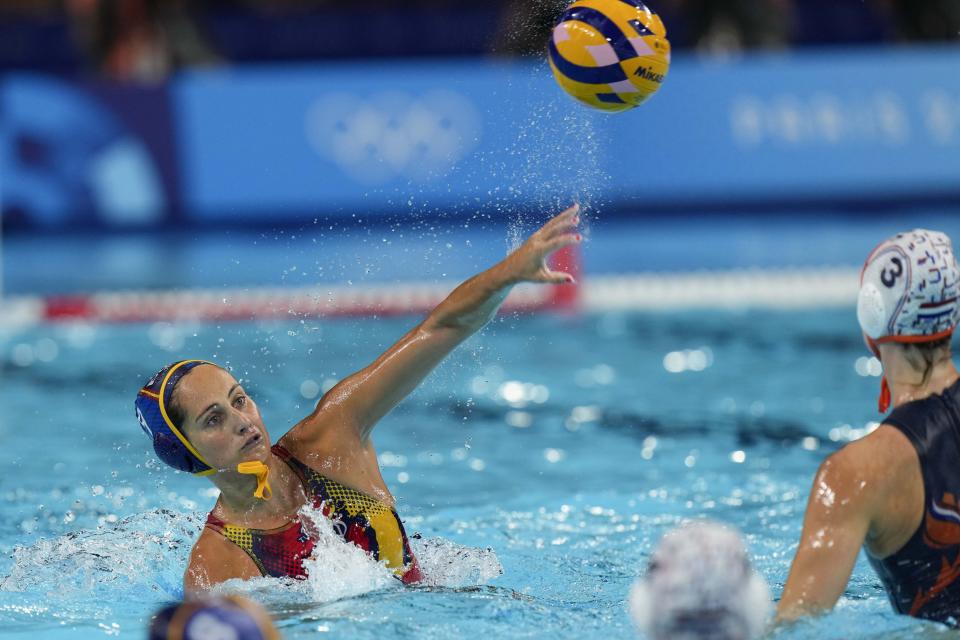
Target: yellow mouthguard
{"points": [[262, 471]]}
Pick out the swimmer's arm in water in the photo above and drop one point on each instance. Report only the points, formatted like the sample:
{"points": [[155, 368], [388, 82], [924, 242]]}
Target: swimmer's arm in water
{"points": [[366, 396], [849, 502], [215, 559]]}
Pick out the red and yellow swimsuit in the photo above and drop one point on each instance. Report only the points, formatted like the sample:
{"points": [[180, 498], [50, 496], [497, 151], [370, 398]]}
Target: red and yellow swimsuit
{"points": [[361, 519]]}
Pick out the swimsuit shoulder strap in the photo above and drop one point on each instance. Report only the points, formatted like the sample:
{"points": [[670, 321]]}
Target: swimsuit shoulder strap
{"points": [[326, 489], [214, 522], [303, 471]]}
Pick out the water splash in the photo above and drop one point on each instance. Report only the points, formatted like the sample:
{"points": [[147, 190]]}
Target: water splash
{"points": [[340, 570], [99, 580], [447, 564], [144, 553], [114, 576]]}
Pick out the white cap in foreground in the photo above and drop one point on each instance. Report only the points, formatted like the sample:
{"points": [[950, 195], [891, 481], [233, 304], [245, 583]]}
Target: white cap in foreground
{"points": [[700, 584]]}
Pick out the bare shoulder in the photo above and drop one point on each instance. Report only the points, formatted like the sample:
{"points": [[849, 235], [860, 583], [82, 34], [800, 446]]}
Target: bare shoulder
{"points": [[885, 451], [215, 559], [324, 431], [870, 465]]}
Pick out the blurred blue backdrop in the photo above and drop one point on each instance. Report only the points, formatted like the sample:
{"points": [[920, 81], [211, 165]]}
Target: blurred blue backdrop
{"points": [[269, 146]]}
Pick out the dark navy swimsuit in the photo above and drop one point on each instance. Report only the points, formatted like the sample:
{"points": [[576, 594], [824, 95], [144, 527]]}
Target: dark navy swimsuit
{"points": [[922, 577]]}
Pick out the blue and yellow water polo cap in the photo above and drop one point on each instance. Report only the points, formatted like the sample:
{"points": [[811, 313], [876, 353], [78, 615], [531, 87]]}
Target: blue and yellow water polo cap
{"points": [[168, 441], [223, 617]]}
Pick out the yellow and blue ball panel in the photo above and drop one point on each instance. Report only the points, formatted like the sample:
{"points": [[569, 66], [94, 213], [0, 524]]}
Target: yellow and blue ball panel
{"points": [[609, 54]]}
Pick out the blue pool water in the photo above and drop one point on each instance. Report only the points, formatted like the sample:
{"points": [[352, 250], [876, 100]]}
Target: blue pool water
{"points": [[540, 463], [445, 249]]}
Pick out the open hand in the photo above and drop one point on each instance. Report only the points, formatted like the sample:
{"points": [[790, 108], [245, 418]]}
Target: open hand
{"points": [[529, 262]]}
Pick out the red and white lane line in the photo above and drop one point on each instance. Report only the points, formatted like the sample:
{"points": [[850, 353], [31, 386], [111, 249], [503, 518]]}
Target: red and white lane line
{"points": [[264, 303], [777, 289], [806, 288]]}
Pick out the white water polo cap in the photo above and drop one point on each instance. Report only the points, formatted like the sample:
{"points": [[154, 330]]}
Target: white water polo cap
{"points": [[909, 288], [700, 584]]}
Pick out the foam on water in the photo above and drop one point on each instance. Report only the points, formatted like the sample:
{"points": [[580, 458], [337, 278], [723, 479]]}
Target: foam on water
{"points": [[447, 564], [141, 554], [338, 570], [93, 576]]}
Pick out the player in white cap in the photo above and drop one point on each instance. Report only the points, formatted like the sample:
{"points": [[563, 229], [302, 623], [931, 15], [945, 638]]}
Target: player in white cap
{"points": [[895, 491], [699, 585]]}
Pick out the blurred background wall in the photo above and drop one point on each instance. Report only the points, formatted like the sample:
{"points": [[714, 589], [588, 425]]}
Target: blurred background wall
{"points": [[146, 115]]}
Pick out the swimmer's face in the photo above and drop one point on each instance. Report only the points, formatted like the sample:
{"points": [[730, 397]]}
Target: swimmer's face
{"points": [[220, 420]]}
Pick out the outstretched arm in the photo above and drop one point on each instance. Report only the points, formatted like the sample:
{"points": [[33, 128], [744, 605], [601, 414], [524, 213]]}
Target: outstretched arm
{"points": [[361, 399]]}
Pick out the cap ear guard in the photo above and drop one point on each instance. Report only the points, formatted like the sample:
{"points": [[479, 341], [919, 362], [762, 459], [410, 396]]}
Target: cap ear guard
{"points": [[885, 283], [169, 442], [871, 311]]}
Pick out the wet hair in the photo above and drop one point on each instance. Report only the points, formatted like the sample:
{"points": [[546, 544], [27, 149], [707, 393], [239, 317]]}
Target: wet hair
{"points": [[924, 356], [175, 411]]}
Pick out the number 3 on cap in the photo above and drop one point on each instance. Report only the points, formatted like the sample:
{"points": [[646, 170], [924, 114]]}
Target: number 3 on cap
{"points": [[889, 278]]}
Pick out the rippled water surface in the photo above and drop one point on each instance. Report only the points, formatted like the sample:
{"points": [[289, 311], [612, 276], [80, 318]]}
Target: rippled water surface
{"points": [[540, 464]]}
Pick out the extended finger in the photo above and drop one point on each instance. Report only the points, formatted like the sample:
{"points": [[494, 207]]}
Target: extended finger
{"points": [[560, 242], [561, 221], [556, 277]]}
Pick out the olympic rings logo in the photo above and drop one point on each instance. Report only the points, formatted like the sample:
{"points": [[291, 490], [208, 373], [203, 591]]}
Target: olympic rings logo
{"points": [[394, 135]]}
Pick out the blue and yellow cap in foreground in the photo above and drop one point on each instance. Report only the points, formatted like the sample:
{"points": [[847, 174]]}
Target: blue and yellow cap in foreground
{"points": [[223, 617], [169, 442]]}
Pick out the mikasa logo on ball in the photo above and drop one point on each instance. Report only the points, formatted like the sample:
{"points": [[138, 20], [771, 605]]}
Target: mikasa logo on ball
{"points": [[647, 74]]}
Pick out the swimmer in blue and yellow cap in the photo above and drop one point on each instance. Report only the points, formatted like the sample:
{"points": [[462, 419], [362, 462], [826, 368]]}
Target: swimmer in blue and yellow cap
{"points": [[202, 421], [895, 491], [232, 617]]}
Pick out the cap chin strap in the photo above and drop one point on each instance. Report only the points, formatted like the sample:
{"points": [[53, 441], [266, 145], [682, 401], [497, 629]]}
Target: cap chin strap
{"points": [[262, 472], [884, 402]]}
